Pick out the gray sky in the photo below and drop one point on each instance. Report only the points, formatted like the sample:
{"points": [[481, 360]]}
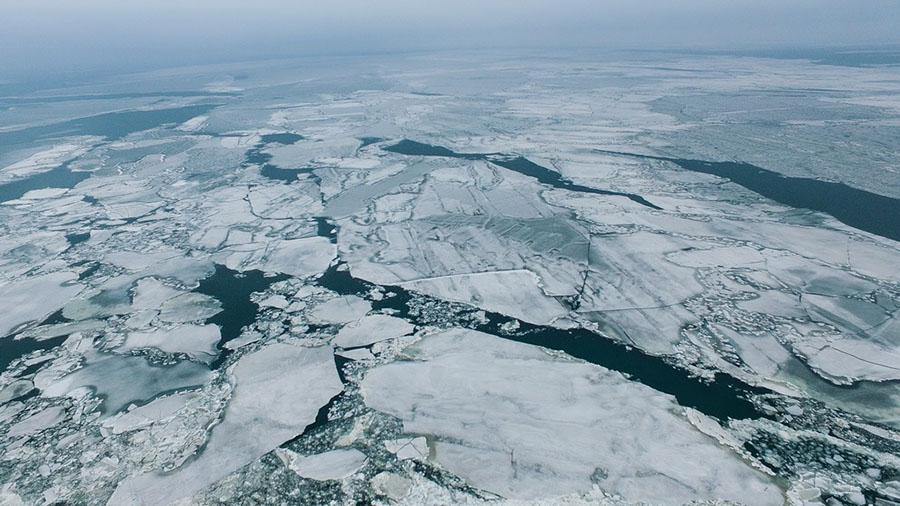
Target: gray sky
{"points": [[47, 36]]}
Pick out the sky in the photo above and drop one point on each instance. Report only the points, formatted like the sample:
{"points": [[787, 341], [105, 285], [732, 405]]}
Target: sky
{"points": [[52, 36]]}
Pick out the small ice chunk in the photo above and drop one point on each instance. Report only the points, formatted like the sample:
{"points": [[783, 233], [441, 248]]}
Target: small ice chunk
{"points": [[392, 485], [276, 301], [340, 310], [15, 389], [148, 413], [198, 341], [371, 329], [332, 465], [189, 307], [408, 448], [39, 421], [245, 339]]}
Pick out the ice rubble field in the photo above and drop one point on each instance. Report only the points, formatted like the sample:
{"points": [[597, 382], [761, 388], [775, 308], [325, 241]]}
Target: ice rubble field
{"points": [[257, 293]]}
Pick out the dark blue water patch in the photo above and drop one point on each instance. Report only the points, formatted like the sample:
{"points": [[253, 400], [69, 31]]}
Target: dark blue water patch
{"points": [[367, 141], [867, 211], [326, 228], [89, 271], [31, 369], [281, 138], [514, 163], [77, 238], [60, 177], [555, 179], [56, 318], [112, 125], [321, 415], [232, 289], [12, 349], [724, 397], [413, 148], [255, 156], [286, 175]]}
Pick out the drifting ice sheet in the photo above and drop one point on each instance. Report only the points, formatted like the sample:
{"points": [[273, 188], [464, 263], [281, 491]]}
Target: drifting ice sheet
{"points": [[513, 293], [512, 420], [32, 298], [280, 388], [371, 329]]}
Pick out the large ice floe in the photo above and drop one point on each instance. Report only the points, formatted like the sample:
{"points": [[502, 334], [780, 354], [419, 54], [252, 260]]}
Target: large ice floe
{"points": [[278, 391], [589, 279], [511, 419]]}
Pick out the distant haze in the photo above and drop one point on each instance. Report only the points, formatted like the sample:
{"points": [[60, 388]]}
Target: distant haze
{"points": [[46, 36]]}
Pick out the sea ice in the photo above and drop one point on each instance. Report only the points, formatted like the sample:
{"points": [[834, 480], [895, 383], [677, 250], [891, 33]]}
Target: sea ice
{"points": [[513, 293], [46, 160], [198, 341], [343, 309], [35, 297], [39, 421], [408, 448], [148, 413], [121, 381], [371, 329], [510, 419], [278, 392], [332, 465]]}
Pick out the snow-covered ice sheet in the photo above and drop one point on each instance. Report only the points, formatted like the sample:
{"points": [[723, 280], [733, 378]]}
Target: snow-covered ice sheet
{"points": [[198, 341], [514, 293], [332, 465], [511, 419], [35, 297], [279, 389], [371, 329]]}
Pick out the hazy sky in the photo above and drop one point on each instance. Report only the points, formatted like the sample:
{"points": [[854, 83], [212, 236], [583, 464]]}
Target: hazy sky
{"points": [[46, 36]]}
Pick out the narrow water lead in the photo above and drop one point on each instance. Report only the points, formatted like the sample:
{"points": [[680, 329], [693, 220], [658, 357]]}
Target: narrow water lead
{"points": [[870, 212], [518, 164], [724, 397]]}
